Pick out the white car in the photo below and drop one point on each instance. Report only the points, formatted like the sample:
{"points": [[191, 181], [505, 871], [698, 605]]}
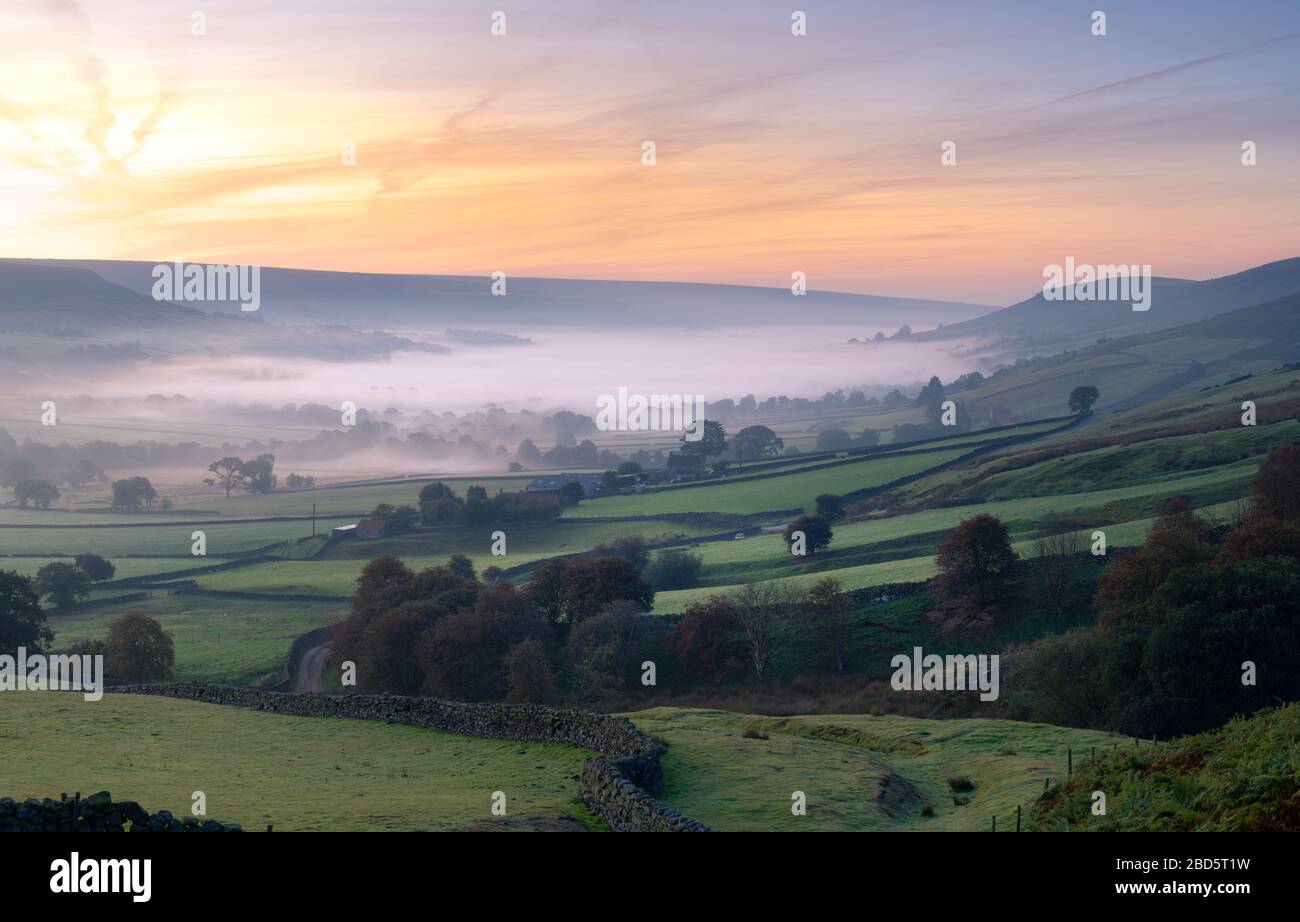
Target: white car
{"points": [[740, 536]]}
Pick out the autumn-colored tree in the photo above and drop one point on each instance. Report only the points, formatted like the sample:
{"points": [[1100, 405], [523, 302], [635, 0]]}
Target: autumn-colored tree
{"points": [[976, 562], [705, 643], [1260, 537], [1275, 490], [137, 649], [529, 674], [577, 587], [1178, 539]]}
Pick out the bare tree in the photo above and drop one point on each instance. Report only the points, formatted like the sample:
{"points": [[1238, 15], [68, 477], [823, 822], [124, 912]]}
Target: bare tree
{"points": [[833, 609], [1056, 570], [765, 617]]}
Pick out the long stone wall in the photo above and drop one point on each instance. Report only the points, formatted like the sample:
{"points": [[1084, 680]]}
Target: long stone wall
{"points": [[97, 813], [618, 785]]}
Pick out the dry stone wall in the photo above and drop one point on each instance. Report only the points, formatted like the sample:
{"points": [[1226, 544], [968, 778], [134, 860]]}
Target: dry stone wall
{"points": [[97, 813], [618, 785]]}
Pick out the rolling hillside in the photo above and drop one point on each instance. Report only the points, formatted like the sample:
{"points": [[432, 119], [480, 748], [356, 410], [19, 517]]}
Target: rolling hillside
{"points": [[435, 301], [1174, 302]]}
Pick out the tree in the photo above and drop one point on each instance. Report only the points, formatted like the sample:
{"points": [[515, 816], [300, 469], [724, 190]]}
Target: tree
{"points": [[259, 474], [631, 548], [133, 492], [1275, 491], [35, 491], [603, 651], [62, 582], [705, 642], [869, 438], [1066, 679], [572, 493], [629, 467], [674, 569], [575, 588], [833, 440], [1056, 569], [137, 649], [22, 622], [529, 675], [763, 614], [296, 481], [830, 507], [529, 453], [833, 610], [1209, 620], [230, 473], [96, 568], [18, 471], [754, 442], [1179, 538], [931, 395], [1082, 398], [975, 561], [712, 443], [609, 482], [817, 533]]}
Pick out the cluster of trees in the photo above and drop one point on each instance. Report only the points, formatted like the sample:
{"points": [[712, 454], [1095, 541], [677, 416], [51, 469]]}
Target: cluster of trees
{"points": [[23, 470], [441, 631], [439, 505], [674, 568], [815, 528], [255, 476], [1195, 626], [744, 636], [131, 493], [66, 583], [136, 649]]}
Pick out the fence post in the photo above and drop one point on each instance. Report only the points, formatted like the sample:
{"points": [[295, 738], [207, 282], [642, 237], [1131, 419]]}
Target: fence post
{"points": [[268, 827], [995, 822], [76, 812], [1069, 763], [1017, 817]]}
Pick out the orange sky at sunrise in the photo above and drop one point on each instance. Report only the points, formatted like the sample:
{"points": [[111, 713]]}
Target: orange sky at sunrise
{"points": [[124, 135]]}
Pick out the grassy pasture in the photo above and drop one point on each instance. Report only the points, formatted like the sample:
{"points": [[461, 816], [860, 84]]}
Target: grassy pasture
{"points": [[126, 566], [298, 773], [341, 500], [843, 763], [234, 539], [229, 641], [790, 491]]}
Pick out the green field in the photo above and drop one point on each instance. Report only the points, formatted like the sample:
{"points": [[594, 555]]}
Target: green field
{"points": [[126, 566], [298, 773], [859, 773], [229, 641], [234, 538], [790, 491], [342, 500]]}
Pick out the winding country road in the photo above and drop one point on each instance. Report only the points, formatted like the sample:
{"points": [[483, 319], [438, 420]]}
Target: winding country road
{"points": [[311, 669]]}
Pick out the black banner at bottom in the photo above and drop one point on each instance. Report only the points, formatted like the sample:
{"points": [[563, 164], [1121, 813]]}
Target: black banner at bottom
{"points": [[330, 871]]}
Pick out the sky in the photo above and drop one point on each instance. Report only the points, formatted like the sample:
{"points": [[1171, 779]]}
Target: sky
{"points": [[126, 135]]}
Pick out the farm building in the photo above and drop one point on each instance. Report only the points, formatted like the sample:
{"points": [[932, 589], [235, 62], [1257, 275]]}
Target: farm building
{"points": [[591, 483], [681, 464], [366, 528], [372, 528]]}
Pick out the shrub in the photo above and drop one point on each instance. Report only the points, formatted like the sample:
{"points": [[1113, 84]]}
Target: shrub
{"points": [[674, 569]]}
